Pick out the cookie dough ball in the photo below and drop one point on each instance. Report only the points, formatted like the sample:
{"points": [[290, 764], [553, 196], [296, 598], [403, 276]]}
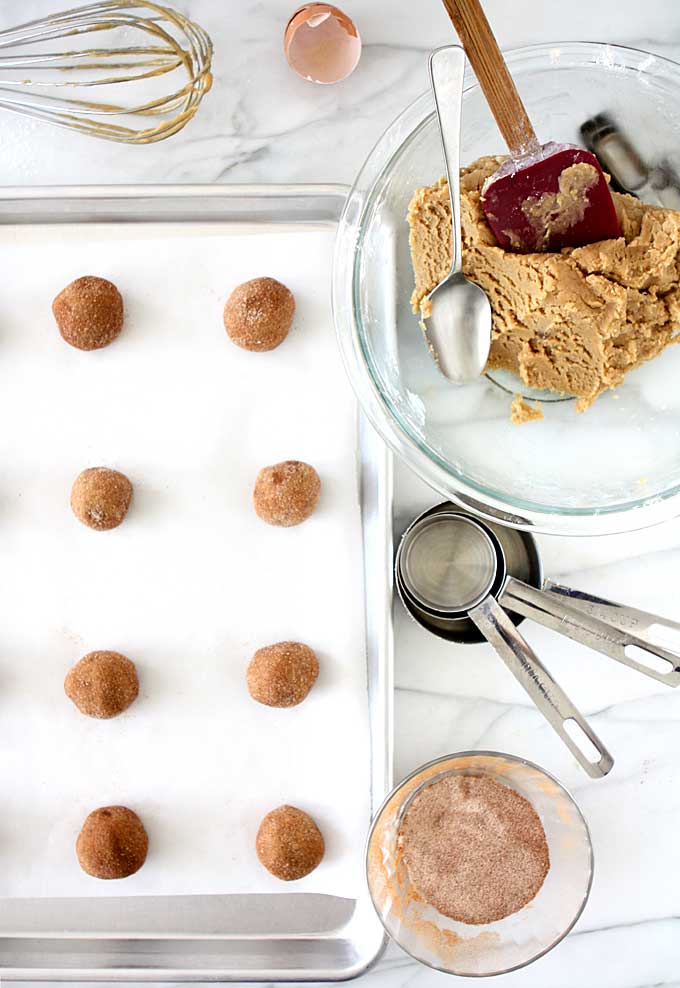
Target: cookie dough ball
{"points": [[289, 844], [101, 497], [259, 313], [102, 684], [89, 313], [113, 843], [282, 675], [287, 493]]}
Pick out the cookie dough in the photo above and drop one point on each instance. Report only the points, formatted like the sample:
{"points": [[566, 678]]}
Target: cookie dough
{"points": [[89, 313], [574, 322], [113, 843], [101, 497], [289, 844], [258, 314], [286, 493], [521, 411], [282, 675], [102, 684]]}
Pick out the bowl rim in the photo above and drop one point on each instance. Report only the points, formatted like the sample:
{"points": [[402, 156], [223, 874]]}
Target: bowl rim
{"points": [[517, 759], [490, 505]]}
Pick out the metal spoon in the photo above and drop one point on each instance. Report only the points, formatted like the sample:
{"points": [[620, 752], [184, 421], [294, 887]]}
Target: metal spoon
{"points": [[458, 324]]}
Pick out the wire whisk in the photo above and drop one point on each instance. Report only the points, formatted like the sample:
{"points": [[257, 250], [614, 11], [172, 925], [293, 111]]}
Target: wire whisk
{"points": [[161, 56]]}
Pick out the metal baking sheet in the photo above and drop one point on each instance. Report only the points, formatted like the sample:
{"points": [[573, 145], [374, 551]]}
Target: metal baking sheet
{"points": [[257, 937]]}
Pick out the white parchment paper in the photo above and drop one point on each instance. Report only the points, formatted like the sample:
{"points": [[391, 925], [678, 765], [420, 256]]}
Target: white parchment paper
{"points": [[192, 582]]}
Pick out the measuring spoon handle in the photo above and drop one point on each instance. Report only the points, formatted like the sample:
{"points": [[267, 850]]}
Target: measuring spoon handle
{"points": [[531, 674], [620, 632]]}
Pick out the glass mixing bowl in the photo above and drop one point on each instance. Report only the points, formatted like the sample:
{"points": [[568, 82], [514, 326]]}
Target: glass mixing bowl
{"points": [[522, 937], [614, 468]]}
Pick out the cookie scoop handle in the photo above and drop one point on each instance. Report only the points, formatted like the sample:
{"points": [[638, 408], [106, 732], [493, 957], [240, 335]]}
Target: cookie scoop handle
{"points": [[493, 75]]}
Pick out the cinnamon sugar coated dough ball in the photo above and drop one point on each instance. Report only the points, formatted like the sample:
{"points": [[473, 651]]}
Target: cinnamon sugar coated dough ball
{"points": [[113, 843], [89, 313], [287, 493], [258, 314], [289, 844], [101, 497], [282, 675], [102, 684]]}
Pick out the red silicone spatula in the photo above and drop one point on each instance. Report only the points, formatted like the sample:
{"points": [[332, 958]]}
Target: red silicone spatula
{"points": [[545, 196]]}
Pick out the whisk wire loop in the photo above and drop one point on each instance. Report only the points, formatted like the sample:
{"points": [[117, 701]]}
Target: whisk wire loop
{"points": [[176, 44]]}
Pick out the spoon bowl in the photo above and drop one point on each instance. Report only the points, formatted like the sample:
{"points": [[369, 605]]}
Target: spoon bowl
{"points": [[458, 329]]}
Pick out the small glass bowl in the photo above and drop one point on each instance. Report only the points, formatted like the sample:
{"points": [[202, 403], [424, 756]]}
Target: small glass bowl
{"points": [[517, 940], [615, 468]]}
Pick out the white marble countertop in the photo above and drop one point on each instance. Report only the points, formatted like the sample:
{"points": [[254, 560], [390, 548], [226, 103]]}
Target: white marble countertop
{"points": [[263, 124]]}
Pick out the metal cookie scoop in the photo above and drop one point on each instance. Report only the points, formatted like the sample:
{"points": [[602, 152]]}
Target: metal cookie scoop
{"points": [[458, 321], [451, 565]]}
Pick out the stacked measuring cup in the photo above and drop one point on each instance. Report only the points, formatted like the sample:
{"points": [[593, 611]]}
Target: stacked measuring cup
{"points": [[467, 580]]}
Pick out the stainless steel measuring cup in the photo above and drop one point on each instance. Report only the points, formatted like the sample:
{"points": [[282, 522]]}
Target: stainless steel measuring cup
{"points": [[452, 573]]}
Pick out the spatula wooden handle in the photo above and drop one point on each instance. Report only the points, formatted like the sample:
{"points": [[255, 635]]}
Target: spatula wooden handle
{"points": [[492, 73]]}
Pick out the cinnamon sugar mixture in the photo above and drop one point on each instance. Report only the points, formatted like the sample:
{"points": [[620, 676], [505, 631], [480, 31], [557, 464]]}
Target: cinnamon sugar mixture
{"points": [[474, 849]]}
